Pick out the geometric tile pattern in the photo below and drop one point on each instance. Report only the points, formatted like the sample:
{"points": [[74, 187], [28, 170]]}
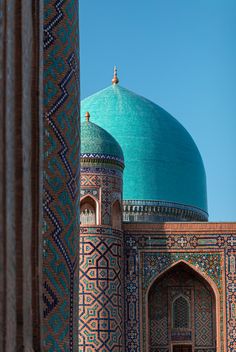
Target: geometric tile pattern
{"points": [[100, 157], [94, 192], [203, 308], [156, 262], [61, 175], [181, 313], [100, 170], [132, 299], [149, 253], [107, 185], [158, 313], [231, 295], [101, 315]]}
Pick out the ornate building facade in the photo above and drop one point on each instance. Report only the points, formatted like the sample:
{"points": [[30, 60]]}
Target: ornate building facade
{"points": [[152, 273], [155, 276]]}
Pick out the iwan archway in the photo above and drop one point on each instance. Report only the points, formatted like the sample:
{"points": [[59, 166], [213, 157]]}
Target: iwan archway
{"points": [[182, 312]]}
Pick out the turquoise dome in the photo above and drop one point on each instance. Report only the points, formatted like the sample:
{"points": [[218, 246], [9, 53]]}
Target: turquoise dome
{"points": [[162, 162], [97, 142]]}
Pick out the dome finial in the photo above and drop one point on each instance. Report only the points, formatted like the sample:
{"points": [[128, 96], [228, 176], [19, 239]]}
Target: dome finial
{"points": [[87, 116], [115, 79]]}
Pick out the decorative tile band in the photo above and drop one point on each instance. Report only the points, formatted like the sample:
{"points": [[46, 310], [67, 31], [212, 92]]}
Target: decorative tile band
{"points": [[160, 211], [61, 176], [101, 230], [101, 158], [97, 169]]}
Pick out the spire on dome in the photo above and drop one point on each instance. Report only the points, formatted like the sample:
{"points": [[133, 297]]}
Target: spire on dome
{"points": [[87, 116], [115, 79]]}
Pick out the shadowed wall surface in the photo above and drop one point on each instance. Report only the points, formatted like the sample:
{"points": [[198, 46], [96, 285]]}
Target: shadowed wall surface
{"points": [[20, 174]]}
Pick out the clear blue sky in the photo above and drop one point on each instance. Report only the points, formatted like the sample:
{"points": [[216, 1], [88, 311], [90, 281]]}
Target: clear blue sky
{"points": [[181, 54]]}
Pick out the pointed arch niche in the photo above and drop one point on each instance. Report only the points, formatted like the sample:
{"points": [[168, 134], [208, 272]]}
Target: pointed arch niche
{"points": [[88, 211], [116, 215], [183, 309]]}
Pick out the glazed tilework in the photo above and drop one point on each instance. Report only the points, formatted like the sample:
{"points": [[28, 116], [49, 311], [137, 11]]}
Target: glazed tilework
{"points": [[94, 192], [155, 263], [97, 143], [151, 211], [101, 294], [101, 273], [204, 335], [61, 176], [100, 170], [108, 187], [199, 317], [154, 146], [101, 157], [149, 253]]}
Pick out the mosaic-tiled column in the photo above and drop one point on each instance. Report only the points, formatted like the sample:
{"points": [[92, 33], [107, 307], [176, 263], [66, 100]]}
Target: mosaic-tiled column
{"points": [[61, 176], [101, 291], [24, 137]]}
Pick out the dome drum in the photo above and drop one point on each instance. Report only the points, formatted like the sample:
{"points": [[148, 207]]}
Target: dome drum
{"points": [[94, 158], [159, 211]]}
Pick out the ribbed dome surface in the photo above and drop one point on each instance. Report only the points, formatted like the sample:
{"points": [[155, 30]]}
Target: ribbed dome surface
{"points": [[162, 161], [95, 141]]}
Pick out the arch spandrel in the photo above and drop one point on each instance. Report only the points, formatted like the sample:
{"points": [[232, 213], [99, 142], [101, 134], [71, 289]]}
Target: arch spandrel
{"points": [[206, 264]]}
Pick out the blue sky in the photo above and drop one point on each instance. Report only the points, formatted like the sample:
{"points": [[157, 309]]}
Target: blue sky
{"points": [[181, 54]]}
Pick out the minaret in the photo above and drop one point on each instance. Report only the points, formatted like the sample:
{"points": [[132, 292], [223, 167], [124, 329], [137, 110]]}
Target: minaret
{"points": [[101, 292]]}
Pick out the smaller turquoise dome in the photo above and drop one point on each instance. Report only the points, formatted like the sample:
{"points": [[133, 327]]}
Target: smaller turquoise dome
{"points": [[98, 143]]}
